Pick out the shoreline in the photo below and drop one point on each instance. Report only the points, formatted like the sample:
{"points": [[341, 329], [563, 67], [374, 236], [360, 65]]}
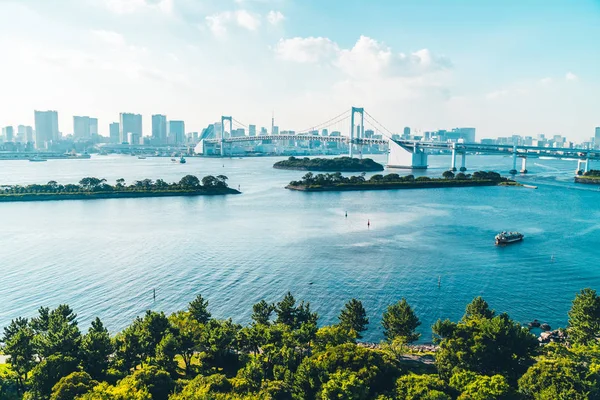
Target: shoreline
{"points": [[588, 180], [317, 169], [392, 186], [28, 197]]}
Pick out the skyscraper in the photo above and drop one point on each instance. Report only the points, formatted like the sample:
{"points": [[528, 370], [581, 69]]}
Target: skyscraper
{"points": [[406, 134], [81, 127], [251, 130], [9, 133], [159, 129], [597, 136], [94, 128], [130, 128], [46, 128], [25, 133], [114, 133], [176, 132]]}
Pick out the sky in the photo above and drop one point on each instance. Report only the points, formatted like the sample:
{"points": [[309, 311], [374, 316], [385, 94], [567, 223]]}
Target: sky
{"points": [[504, 67]]}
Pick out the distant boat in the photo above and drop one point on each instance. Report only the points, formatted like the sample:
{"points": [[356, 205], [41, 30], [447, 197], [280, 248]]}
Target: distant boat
{"points": [[182, 160], [37, 159], [508, 237], [141, 157]]}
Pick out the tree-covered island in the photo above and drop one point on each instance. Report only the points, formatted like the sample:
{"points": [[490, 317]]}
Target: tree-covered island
{"points": [[95, 188], [338, 164], [338, 182], [590, 177], [284, 354]]}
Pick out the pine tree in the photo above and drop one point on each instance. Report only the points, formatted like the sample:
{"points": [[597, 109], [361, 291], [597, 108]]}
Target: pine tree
{"points": [[354, 317]]}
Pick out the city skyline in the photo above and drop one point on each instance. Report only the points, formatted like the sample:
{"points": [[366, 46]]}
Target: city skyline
{"points": [[504, 69]]}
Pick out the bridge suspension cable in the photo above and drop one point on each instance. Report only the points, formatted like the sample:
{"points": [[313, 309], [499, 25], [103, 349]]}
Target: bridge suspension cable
{"points": [[239, 123], [327, 123], [381, 126]]}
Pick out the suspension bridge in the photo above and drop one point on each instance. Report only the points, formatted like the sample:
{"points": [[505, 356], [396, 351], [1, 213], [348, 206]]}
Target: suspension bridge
{"points": [[408, 154]]}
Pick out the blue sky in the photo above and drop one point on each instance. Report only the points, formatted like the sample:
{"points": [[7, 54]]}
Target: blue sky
{"points": [[504, 67]]}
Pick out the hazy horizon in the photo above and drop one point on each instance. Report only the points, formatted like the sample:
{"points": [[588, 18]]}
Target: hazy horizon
{"points": [[504, 69]]}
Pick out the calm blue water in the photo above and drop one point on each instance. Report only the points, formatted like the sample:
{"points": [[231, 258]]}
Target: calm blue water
{"points": [[104, 257]]}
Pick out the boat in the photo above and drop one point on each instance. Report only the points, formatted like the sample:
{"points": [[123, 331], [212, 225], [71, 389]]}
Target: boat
{"points": [[508, 237], [141, 157], [182, 160], [173, 159], [37, 159]]}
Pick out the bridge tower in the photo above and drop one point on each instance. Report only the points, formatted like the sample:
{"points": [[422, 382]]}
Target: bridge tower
{"points": [[223, 120], [361, 131]]}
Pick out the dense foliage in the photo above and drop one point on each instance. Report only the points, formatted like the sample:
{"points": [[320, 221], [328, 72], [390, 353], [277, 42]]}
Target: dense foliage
{"points": [[341, 164], [448, 179], [593, 173], [283, 354], [92, 185]]}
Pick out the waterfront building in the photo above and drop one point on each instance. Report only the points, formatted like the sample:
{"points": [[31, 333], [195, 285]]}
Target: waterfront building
{"points": [[176, 131], [159, 129], [85, 127], [263, 131], [251, 130], [130, 124], [46, 128], [597, 136], [8, 133], [114, 134], [275, 130], [324, 132], [406, 134]]}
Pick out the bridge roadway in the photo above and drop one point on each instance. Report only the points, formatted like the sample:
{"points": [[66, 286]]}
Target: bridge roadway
{"points": [[338, 139]]}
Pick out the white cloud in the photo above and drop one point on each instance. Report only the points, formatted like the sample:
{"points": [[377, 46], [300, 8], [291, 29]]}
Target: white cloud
{"points": [[571, 76], [367, 59], [109, 37], [497, 94], [275, 17], [545, 81], [133, 6], [219, 23], [306, 50]]}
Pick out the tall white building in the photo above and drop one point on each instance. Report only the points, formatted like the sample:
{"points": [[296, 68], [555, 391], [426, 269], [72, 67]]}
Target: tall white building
{"points": [[114, 134], [8, 133], [159, 129], [46, 128], [25, 133], [130, 128]]}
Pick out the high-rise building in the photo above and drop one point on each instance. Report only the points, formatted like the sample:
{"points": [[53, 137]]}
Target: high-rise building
{"points": [[406, 134], [46, 128], [9, 133], [159, 129], [324, 132], [275, 130], [597, 136], [130, 127], [176, 132], [251, 130], [81, 127], [263, 131], [114, 134], [94, 128]]}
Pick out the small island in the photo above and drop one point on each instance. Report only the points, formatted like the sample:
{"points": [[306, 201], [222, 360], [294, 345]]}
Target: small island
{"points": [[338, 182], [338, 164], [591, 177], [95, 188]]}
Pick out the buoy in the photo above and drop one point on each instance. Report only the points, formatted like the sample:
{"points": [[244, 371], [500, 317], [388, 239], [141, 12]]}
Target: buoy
{"points": [[154, 294], [346, 214], [439, 281], [368, 222]]}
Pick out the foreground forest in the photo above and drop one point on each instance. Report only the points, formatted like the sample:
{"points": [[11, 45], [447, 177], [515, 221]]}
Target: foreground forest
{"points": [[283, 354]]}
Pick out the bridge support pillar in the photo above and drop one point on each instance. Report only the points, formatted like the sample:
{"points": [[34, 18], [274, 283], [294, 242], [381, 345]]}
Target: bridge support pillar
{"points": [[579, 171], [463, 160], [513, 171], [587, 165], [524, 165], [453, 161]]}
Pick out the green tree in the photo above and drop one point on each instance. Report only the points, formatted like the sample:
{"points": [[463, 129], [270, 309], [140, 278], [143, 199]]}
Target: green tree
{"points": [[18, 344], [49, 371], [421, 387], [198, 308], [189, 182], [166, 351], [62, 335], [354, 317], [448, 175], [344, 385], [473, 386], [72, 385], [188, 336], [477, 309], [261, 312], [97, 347], [584, 317], [331, 336], [399, 320]]}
